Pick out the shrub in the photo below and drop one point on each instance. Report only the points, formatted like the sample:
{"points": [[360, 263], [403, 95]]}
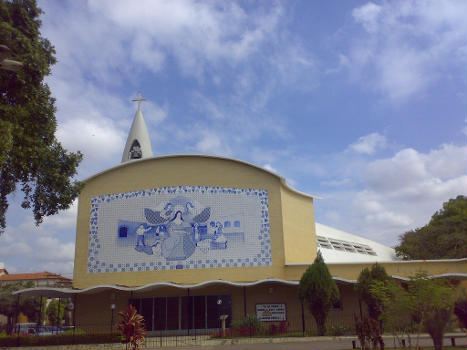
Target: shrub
{"points": [[132, 328], [249, 325], [336, 330], [60, 339], [247, 322], [282, 328]]}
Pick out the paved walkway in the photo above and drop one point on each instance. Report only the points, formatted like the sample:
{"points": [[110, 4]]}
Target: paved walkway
{"points": [[289, 343]]}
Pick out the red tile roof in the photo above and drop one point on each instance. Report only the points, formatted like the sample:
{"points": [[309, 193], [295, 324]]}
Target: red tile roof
{"points": [[32, 276]]}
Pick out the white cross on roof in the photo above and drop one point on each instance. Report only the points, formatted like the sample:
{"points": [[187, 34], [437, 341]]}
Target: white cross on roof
{"points": [[139, 99]]}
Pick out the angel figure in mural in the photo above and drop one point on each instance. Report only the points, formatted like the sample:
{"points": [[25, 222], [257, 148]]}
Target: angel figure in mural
{"points": [[182, 218]]}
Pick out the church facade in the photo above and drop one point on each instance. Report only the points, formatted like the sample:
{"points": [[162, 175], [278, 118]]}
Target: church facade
{"points": [[188, 238]]}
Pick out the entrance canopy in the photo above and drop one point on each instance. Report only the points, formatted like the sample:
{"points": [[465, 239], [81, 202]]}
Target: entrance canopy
{"points": [[70, 292]]}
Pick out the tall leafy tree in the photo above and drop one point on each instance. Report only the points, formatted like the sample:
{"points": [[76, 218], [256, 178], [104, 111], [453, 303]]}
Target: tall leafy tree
{"points": [[425, 304], [319, 291], [444, 237], [363, 287], [56, 311], [30, 155], [30, 307]]}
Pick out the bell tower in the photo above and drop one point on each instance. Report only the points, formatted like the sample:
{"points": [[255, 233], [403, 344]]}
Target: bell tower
{"points": [[138, 144]]}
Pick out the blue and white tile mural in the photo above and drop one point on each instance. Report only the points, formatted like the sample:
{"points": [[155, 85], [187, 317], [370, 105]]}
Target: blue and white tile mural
{"points": [[181, 227]]}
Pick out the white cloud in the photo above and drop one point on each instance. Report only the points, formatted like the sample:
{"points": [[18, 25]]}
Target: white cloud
{"points": [[50, 249], [154, 114], [193, 32], [407, 44], [411, 172], [395, 194], [146, 53], [29, 248], [369, 144], [446, 161], [338, 183], [97, 139], [63, 220], [368, 15], [207, 106], [211, 143], [15, 249], [343, 63], [405, 169], [388, 218]]}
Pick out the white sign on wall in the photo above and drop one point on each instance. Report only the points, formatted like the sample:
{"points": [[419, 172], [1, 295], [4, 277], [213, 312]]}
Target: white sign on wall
{"points": [[271, 312]]}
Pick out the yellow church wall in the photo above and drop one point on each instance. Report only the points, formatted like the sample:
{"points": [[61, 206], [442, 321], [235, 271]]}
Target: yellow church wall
{"points": [[299, 227], [93, 312], [179, 171]]}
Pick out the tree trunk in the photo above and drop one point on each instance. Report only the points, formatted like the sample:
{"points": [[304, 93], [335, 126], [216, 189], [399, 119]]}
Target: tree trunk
{"points": [[321, 327], [437, 337]]}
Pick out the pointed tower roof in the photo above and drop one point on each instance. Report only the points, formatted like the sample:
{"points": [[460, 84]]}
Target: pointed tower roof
{"points": [[138, 144]]}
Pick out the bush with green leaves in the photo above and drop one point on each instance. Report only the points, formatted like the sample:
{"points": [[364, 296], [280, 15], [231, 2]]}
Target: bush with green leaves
{"points": [[132, 328], [247, 326], [59, 339]]}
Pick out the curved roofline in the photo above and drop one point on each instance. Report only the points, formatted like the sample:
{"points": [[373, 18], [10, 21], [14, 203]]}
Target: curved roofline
{"points": [[458, 275], [68, 292], [355, 262], [133, 161]]}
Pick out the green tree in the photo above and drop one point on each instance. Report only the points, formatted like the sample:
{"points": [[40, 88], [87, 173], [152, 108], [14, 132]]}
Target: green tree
{"points": [[55, 316], [30, 307], [444, 237], [397, 308], [30, 155], [364, 282], [319, 291], [435, 305], [425, 304]]}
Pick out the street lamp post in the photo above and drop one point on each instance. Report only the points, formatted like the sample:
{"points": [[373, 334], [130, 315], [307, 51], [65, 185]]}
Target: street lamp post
{"points": [[112, 307]]}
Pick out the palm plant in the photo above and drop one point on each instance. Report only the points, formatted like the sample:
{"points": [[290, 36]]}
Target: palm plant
{"points": [[132, 328]]}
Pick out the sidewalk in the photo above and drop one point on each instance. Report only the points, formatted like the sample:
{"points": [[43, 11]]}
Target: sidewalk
{"points": [[279, 343]]}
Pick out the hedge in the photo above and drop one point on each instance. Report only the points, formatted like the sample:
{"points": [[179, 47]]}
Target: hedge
{"points": [[59, 339]]}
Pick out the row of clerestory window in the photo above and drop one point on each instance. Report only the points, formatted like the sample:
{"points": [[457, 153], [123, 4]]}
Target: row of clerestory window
{"points": [[351, 247]]}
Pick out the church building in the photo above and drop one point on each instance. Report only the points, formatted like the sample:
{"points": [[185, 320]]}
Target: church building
{"points": [[188, 238]]}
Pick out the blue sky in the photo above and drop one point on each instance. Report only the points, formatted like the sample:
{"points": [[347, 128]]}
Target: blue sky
{"points": [[360, 103]]}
